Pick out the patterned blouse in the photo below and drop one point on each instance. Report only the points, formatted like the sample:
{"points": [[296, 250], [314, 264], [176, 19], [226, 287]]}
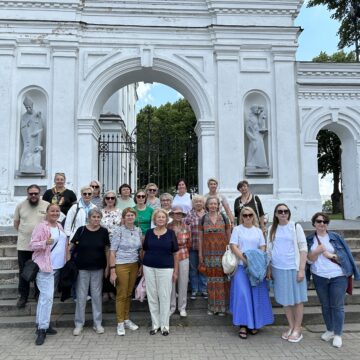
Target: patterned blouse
{"points": [[184, 240], [110, 220]]}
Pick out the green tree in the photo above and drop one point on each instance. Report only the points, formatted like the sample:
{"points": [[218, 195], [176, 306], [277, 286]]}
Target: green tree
{"points": [[167, 145], [329, 162], [338, 57], [347, 12]]}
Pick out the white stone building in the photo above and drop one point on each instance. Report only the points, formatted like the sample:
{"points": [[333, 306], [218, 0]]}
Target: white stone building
{"points": [[226, 58]]}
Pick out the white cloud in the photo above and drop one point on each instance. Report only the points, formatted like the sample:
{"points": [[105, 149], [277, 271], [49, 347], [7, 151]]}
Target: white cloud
{"points": [[143, 90]]}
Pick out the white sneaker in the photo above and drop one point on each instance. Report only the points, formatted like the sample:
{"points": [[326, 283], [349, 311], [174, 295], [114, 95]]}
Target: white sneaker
{"points": [[77, 331], [327, 335], [120, 329], [130, 325], [337, 342], [99, 329], [183, 313]]}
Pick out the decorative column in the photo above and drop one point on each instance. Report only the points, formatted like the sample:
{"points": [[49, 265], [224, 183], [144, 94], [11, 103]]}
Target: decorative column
{"points": [[88, 132], [7, 120], [229, 155], [62, 143], [205, 131], [286, 139]]}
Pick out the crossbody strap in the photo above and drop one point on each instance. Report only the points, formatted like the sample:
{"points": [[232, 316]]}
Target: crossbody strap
{"points": [[319, 243]]}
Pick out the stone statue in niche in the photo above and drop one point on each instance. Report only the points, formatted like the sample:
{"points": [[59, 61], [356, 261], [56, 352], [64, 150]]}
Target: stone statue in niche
{"points": [[255, 128], [31, 129]]}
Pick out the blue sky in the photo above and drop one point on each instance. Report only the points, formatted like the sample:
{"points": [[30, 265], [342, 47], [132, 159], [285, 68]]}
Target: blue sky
{"points": [[319, 34]]}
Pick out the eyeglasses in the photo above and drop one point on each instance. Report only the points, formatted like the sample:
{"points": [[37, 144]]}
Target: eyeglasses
{"points": [[163, 200], [247, 215], [325, 222], [280, 212], [141, 196], [87, 194], [33, 194], [109, 198], [95, 186], [152, 190]]}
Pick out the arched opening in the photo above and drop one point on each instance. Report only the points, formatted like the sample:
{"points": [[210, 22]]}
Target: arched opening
{"points": [[329, 167], [108, 80], [344, 159]]}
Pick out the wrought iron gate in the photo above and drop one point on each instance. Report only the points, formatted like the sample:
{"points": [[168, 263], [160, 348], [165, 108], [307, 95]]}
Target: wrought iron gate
{"points": [[122, 160]]}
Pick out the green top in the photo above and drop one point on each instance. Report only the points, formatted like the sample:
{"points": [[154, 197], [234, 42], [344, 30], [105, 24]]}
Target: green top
{"points": [[143, 218], [123, 204]]}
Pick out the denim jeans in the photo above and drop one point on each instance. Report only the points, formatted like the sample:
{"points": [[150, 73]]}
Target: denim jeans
{"points": [[45, 282], [197, 280], [331, 293]]}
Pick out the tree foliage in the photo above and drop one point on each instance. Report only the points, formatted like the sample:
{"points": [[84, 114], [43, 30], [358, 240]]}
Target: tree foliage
{"points": [[167, 145], [347, 12], [338, 57]]}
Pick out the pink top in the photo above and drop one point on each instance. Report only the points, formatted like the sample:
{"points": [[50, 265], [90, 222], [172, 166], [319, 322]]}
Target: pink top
{"points": [[42, 251]]}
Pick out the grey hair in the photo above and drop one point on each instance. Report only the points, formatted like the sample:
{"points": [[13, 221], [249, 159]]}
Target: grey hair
{"points": [[93, 211]]}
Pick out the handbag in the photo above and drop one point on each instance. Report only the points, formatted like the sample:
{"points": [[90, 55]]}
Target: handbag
{"points": [[140, 291], [229, 261], [30, 270]]}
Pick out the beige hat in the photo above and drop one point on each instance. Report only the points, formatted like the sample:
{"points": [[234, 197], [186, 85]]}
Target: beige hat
{"points": [[177, 210]]}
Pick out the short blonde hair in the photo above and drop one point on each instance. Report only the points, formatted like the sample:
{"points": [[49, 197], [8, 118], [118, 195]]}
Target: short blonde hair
{"points": [[156, 212], [209, 198], [151, 184], [254, 216], [197, 197], [128, 210], [212, 179]]}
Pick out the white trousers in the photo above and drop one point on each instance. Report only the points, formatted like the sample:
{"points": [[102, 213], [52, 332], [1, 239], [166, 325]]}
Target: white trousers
{"points": [[158, 284], [182, 286]]}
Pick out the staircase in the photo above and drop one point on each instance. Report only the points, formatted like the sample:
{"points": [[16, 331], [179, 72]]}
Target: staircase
{"points": [[63, 313]]}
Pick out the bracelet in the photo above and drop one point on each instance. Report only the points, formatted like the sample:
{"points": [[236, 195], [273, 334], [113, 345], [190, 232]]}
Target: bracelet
{"points": [[112, 267]]}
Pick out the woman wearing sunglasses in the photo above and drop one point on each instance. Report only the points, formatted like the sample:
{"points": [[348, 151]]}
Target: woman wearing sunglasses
{"points": [[249, 305], [151, 192], [78, 215], [331, 265], [111, 219], [287, 251], [143, 212], [96, 198]]}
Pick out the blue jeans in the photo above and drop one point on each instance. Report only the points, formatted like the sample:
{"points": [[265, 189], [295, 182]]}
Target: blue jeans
{"points": [[197, 280], [331, 293], [45, 282]]}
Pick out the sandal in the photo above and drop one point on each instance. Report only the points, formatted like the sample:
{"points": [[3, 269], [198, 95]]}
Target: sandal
{"points": [[243, 333], [285, 335], [295, 337], [253, 331]]}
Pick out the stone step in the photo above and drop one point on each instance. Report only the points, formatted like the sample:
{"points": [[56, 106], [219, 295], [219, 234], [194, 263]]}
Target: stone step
{"points": [[8, 250], [9, 277], [8, 263], [197, 317], [8, 306]]}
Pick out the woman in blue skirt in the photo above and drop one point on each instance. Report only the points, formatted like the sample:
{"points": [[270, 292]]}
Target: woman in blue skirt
{"points": [[250, 305], [287, 250]]}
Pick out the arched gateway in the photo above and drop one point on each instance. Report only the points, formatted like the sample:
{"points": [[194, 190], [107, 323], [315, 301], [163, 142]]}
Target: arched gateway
{"points": [[258, 110]]}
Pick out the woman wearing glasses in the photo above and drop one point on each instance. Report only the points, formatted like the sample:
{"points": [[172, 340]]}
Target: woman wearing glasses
{"points": [[78, 215], [111, 219], [249, 305], [287, 251], [331, 265], [151, 192], [143, 212], [96, 198]]}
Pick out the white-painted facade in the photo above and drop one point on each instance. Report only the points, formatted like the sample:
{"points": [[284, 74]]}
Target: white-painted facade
{"points": [[222, 56]]}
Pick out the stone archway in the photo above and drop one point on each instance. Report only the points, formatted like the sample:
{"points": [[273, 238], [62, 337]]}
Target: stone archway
{"points": [[111, 74], [341, 121]]}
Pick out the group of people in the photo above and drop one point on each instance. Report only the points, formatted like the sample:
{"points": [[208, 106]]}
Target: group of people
{"points": [[174, 241]]}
